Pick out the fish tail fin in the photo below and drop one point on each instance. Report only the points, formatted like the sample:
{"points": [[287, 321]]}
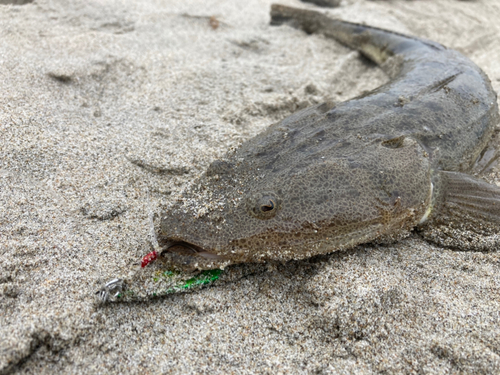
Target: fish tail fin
{"points": [[376, 44], [465, 213]]}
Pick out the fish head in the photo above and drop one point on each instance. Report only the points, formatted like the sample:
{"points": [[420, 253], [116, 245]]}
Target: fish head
{"points": [[282, 205]]}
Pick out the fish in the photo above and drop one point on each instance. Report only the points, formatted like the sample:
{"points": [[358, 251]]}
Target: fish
{"points": [[372, 169]]}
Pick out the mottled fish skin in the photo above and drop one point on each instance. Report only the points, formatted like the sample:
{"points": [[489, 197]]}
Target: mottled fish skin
{"points": [[326, 179]]}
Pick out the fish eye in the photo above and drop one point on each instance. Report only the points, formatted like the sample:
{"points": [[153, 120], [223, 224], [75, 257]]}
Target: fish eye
{"points": [[263, 205], [269, 206]]}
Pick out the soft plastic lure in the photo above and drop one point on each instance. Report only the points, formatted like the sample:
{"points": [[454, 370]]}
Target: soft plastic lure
{"points": [[159, 284]]}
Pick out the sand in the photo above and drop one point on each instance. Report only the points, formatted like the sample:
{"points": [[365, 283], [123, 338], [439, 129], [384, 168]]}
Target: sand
{"points": [[103, 101]]}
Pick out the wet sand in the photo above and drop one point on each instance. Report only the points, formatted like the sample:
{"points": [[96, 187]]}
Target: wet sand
{"points": [[102, 101]]}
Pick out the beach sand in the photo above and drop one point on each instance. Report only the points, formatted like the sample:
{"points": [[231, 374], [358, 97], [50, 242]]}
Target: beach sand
{"points": [[103, 101]]}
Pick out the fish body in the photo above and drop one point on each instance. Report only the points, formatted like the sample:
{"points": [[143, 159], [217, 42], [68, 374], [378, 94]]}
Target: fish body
{"points": [[332, 177]]}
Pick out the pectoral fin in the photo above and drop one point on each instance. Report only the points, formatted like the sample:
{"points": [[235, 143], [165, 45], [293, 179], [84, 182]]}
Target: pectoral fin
{"points": [[465, 213]]}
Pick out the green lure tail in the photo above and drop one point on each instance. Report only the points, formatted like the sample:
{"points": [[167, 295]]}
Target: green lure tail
{"points": [[145, 285]]}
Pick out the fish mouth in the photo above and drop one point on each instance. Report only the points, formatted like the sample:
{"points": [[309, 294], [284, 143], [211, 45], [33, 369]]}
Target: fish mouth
{"points": [[188, 249]]}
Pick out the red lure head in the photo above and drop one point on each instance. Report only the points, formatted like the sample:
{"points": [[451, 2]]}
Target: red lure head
{"points": [[152, 256]]}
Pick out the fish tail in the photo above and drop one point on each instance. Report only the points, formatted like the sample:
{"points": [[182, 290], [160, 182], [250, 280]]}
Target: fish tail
{"points": [[376, 44]]}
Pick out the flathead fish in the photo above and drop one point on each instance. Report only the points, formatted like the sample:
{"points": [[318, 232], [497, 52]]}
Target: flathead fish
{"points": [[370, 169]]}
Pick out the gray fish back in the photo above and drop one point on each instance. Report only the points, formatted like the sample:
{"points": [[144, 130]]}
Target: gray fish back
{"points": [[437, 96]]}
